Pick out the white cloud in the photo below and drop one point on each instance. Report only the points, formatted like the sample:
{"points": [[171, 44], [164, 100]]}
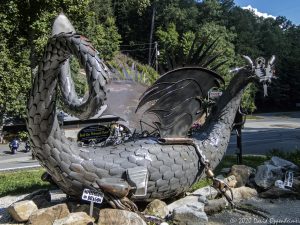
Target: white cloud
{"points": [[256, 12]]}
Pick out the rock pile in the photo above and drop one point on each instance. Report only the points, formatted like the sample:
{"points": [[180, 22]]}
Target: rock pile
{"points": [[272, 178], [42, 208], [266, 177]]}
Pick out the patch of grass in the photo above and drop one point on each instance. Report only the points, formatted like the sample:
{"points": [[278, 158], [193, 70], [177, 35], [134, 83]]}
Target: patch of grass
{"points": [[200, 184], [21, 182], [248, 160], [252, 117]]}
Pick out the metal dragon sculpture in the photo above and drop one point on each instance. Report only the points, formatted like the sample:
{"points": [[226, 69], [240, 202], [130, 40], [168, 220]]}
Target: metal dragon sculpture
{"points": [[139, 169]]}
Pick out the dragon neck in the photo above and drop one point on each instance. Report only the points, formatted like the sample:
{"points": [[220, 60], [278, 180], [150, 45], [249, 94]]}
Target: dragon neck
{"points": [[216, 131], [42, 122]]}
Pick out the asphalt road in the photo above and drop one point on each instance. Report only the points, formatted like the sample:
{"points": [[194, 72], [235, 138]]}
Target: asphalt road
{"points": [[260, 142], [18, 161], [270, 131]]}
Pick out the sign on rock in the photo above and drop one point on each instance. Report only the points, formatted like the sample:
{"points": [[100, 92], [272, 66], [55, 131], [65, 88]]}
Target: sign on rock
{"points": [[92, 196]]}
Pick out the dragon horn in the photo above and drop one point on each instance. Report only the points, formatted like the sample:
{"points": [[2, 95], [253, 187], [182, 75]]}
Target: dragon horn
{"points": [[248, 60], [271, 61]]}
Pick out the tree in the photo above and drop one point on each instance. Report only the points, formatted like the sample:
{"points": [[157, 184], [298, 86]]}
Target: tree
{"points": [[106, 38], [24, 30], [14, 82]]}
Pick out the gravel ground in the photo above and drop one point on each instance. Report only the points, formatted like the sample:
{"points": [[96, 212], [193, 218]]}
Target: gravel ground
{"points": [[281, 211], [57, 196]]}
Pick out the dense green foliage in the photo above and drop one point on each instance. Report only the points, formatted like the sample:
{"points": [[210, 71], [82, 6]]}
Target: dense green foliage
{"points": [[180, 27], [239, 31]]}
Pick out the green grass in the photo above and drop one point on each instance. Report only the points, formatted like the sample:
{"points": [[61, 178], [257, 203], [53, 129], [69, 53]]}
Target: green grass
{"points": [[248, 160], [293, 156], [200, 184], [251, 117], [21, 182]]}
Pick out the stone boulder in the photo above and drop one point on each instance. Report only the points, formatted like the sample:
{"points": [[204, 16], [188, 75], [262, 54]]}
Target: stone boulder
{"points": [[189, 214], [185, 201], [242, 193], [242, 174], [267, 174], [116, 217], [79, 218], [20, 211], [276, 192], [231, 181], [208, 192], [215, 206], [189, 210], [47, 216], [157, 208], [284, 164]]}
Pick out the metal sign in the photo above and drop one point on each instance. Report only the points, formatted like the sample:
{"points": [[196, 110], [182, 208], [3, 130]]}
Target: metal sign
{"points": [[289, 179], [96, 132], [92, 196]]}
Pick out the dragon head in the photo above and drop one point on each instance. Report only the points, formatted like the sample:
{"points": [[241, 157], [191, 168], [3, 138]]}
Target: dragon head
{"points": [[264, 71], [260, 70]]}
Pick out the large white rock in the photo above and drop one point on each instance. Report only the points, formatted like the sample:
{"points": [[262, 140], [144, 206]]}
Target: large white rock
{"points": [[79, 218], [157, 208], [47, 216], [188, 210], [184, 201], [207, 191], [242, 193], [116, 216], [20, 211], [189, 214], [267, 174], [285, 164]]}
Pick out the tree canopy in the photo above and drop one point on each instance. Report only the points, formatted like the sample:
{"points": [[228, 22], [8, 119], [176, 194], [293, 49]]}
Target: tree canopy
{"points": [[180, 28]]}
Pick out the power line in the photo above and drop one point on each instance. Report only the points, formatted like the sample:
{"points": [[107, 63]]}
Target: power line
{"points": [[139, 44], [133, 50]]}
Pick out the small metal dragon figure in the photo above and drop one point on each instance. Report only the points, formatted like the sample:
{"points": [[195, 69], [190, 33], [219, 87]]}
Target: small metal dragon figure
{"points": [[139, 169]]}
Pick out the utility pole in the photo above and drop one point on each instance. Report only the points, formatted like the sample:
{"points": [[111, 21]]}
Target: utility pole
{"points": [[156, 56], [151, 34]]}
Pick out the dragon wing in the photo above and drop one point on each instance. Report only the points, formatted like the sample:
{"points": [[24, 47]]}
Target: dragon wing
{"points": [[122, 99], [124, 90], [176, 99]]}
